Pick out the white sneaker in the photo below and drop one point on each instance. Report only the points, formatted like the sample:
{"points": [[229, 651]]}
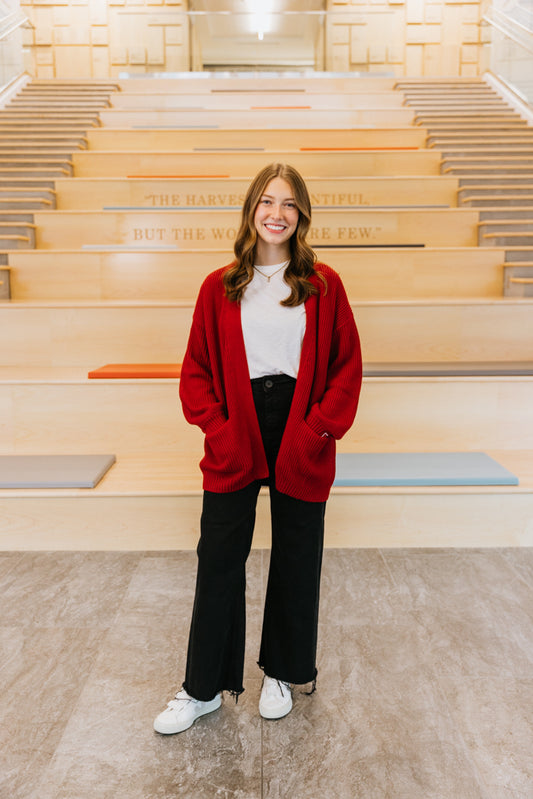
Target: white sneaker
{"points": [[182, 712], [276, 698]]}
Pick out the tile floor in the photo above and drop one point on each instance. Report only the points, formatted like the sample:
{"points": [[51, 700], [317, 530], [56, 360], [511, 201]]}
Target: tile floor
{"points": [[425, 684]]}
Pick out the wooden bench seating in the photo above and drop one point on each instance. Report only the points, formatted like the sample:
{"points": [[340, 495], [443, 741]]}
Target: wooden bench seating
{"points": [[415, 411], [251, 101], [271, 118], [163, 274], [448, 361], [207, 228], [90, 333], [259, 84], [119, 513], [99, 193], [153, 139], [101, 163], [63, 411]]}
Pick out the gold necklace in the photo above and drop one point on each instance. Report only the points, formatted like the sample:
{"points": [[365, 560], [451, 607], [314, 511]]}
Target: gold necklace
{"points": [[283, 266]]}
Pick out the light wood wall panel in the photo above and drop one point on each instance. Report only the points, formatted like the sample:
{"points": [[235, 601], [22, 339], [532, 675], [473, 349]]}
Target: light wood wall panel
{"points": [[102, 38], [407, 37]]}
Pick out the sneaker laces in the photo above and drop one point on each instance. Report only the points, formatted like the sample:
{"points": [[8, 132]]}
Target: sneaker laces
{"points": [[177, 702], [272, 683]]}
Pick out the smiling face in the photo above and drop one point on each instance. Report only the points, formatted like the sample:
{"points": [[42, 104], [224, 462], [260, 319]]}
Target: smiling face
{"points": [[275, 220]]}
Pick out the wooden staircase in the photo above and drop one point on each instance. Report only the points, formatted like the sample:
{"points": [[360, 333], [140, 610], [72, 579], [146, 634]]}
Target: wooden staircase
{"points": [[448, 358], [495, 169], [40, 128]]}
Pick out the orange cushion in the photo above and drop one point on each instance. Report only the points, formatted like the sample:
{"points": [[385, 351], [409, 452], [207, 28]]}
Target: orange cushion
{"points": [[140, 370]]}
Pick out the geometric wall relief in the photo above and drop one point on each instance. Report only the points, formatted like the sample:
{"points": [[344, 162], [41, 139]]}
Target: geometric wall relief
{"points": [[101, 38], [407, 37]]}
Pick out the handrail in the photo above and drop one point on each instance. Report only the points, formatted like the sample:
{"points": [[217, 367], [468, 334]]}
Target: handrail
{"points": [[506, 24], [11, 23]]}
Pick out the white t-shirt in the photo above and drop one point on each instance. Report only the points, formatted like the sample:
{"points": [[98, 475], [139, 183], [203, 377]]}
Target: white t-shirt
{"points": [[273, 333]]}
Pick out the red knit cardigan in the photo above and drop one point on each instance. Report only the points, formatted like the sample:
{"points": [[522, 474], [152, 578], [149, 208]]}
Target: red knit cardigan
{"points": [[216, 394]]}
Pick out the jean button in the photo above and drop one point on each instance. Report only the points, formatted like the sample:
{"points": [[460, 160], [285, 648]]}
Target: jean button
{"points": [[269, 383]]}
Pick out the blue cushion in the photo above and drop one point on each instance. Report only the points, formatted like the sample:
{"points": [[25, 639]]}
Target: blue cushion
{"points": [[420, 469]]}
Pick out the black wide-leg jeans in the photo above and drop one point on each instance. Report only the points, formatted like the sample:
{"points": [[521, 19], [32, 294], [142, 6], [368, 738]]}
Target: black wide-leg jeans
{"points": [[215, 657]]}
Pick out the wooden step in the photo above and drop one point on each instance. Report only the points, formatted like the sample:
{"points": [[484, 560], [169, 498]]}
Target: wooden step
{"points": [[442, 142], [502, 214], [38, 127], [207, 228], [35, 155], [167, 140], [62, 411], [462, 115], [257, 82], [495, 170], [518, 279], [100, 193], [507, 238], [252, 101], [25, 203], [22, 115], [14, 242], [5, 282], [90, 334], [438, 127], [476, 161], [108, 164], [37, 172], [367, 273], [279, 118], [496, 154], [23, 230], [30, 140], [61, 104], [28, 192], [504, 227], [31, 160], [518, 254], [497, 200], [492, 181], [153, 502], [487, 190], [480, 143]]}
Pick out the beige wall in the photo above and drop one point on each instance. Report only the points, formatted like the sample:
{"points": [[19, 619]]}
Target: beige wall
{"points": [[407, 37], [101, 38]]}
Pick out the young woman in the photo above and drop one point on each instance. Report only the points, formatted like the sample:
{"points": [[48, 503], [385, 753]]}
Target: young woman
{"points": [[272, 375]]}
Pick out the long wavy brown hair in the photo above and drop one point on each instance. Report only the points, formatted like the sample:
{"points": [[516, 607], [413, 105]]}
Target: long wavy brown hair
{"points": [[302, 258]]}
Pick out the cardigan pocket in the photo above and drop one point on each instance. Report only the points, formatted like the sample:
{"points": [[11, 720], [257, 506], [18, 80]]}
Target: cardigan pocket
{"points": [[312, 455], [223, 452]]}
